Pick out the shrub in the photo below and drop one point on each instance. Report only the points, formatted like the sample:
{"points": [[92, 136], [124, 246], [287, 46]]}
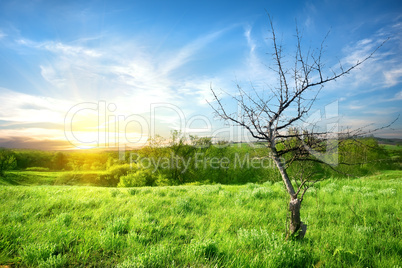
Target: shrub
{"points": [[162, 180], [7, 160], [136, 179], [139, 178], [118, 171]]}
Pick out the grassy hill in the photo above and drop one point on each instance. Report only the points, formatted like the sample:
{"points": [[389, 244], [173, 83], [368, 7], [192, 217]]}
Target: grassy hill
{"points": [[394, 141], [77, 178], [351, 223]]}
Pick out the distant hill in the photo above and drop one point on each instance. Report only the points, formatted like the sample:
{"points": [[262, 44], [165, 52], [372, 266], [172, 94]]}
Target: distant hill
{"points": [[389, 141]]}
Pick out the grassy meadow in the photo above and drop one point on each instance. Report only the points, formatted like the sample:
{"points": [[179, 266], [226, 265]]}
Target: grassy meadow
{"points": [[351, 223]]}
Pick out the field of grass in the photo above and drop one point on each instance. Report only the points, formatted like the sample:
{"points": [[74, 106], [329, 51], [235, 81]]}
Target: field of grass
{"points": [[31, 178], [351, 223]]}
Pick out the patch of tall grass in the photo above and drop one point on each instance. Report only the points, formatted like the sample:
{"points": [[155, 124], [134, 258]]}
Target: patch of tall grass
{"points": [[351, 223]]}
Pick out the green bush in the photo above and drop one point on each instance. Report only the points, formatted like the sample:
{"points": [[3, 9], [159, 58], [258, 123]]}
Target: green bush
{"points": [[139, 178], [117, 171], [7, 160]]}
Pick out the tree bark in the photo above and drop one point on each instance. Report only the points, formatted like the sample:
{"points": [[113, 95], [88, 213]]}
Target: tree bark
{"points": [[297, 227], [294, 206], [282, 170]]}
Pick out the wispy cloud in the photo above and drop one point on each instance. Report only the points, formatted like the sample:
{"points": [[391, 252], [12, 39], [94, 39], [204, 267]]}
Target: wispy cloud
{"points": [[28, 142], [383, 70], [393, 76], [250, 41], [187, 52], [67, 50], [24, 108], [309, 12], [26, 121], [59, 48], [52, 76], [124, 74], [371, 123], [116, 72], [398, 96], [382, 112], [356, 107]]}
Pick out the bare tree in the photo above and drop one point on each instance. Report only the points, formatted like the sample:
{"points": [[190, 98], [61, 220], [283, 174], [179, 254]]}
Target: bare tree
{"points": [[272, 118]]}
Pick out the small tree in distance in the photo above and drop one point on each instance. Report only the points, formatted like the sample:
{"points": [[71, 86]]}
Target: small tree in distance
{"points": [[7, 160], [276, 117]]}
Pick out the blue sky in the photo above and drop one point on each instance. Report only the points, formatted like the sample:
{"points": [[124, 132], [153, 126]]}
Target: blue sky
{"points": [[90, 66]]}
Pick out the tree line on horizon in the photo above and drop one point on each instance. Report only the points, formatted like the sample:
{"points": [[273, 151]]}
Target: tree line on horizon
{"points": [[194, 161]]}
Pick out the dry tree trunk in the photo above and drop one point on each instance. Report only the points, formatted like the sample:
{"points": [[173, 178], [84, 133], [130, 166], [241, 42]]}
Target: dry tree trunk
{"points": [[296, 227]]}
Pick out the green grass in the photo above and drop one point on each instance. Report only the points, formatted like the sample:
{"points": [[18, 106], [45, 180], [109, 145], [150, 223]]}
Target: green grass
{"points": [[351, 223], [391, 147], [31, 178]]}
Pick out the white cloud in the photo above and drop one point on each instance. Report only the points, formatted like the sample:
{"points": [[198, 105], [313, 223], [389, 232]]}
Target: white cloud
{"points": [[382, 112], [393, 76], [24, 108], [356, 107], [359, 51], [32, 121], [309, 12], [253, 73], [37, 133], [364, 42], [250, 41], [185, 54], [380, 72], [383, 70], [125, 74], [398, 96], [355, 122], [58, 47], [50, 75]]}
